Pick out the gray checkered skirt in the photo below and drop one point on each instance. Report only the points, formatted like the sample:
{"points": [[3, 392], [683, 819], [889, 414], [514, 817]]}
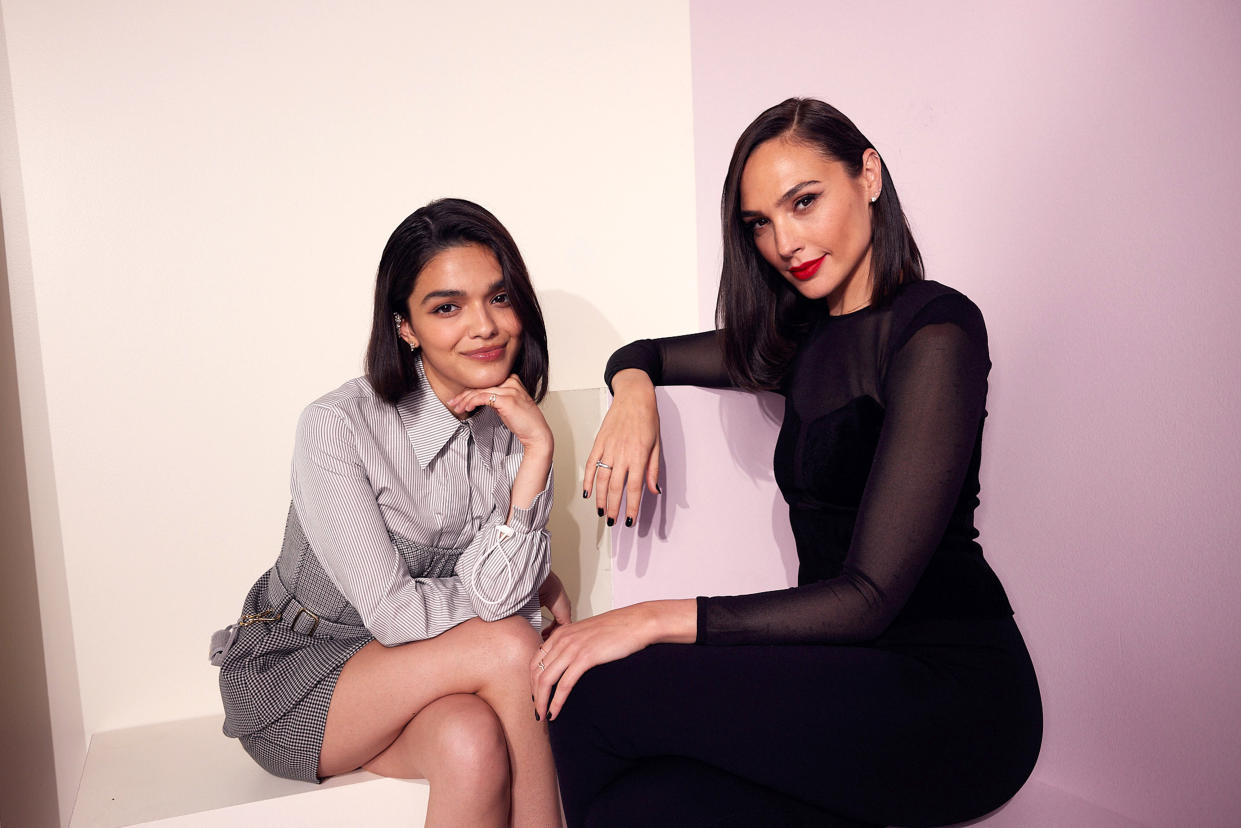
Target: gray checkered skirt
{"points": [[277, 676], [277, 684]]}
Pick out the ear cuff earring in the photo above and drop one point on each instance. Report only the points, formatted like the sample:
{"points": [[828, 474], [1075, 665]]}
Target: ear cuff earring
{"points": [[396, 317]]}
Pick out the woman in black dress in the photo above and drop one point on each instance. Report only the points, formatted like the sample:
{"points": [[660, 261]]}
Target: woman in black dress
{"points": [[891, 686]]}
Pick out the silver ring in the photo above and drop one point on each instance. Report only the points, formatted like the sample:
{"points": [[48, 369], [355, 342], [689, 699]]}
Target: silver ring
{"points": [[542, 666], [491, 400], [599, 464]]}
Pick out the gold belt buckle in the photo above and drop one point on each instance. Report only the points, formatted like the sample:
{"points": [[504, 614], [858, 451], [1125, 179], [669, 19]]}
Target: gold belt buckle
{"points": [[315, 626]]}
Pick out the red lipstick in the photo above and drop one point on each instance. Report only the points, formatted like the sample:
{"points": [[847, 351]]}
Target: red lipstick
{"points": [[804, 271]]}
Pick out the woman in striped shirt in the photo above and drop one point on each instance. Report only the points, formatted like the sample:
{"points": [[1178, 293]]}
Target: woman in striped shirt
{"points": [[394, 631]]}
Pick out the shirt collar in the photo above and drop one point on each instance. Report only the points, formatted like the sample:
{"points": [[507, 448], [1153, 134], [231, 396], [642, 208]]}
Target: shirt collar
{"points": [[429, 424]]}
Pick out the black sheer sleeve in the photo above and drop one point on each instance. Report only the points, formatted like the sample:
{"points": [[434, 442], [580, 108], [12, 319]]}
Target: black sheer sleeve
{"points": [[934, 392], [693, 359]]}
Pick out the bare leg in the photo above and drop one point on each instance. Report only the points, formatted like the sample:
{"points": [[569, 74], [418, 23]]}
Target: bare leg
{"points": [[457, 744], [383, 691]]}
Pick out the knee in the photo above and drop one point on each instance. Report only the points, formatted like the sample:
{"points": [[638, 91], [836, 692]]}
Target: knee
{"points": [[471, 753], [511, 643]]}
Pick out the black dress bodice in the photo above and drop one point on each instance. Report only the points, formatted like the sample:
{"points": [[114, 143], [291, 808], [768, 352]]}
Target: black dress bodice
{"points": [[878, 459]]}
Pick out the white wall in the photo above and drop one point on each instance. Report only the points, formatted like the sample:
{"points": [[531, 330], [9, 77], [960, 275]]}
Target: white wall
{"points": [[195, 198]]}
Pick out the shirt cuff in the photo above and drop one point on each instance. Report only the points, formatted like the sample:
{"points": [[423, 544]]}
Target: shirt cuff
{"points": [[534, 516]]}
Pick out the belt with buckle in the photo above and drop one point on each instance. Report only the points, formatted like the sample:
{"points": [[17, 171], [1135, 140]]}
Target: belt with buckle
{"points": [[299, 617]]}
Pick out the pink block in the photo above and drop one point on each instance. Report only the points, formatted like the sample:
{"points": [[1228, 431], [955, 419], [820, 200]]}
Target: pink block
{"points": [[721, 526]]}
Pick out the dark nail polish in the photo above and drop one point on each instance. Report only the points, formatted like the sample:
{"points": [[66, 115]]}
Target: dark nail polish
{"points": [[600, 513], [658, 490], [536, 716], [584, 493], [629, 521], [611, 522]]}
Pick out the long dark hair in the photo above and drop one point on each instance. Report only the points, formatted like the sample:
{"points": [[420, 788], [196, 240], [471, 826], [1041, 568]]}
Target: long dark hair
{"points": [[427, 232], [760, 312]]}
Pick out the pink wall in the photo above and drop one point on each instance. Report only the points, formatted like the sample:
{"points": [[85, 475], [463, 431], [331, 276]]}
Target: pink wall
{"points": [[1072, 168]]}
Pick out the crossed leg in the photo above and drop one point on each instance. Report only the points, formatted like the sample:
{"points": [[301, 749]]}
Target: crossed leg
{"points": [[455, 710]]}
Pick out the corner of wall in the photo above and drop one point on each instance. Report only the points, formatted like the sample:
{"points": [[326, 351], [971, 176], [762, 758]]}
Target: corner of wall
{"points": [[42, 711]]}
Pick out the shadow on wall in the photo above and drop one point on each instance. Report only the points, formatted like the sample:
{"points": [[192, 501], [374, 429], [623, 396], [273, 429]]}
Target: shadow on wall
{"points": [[580, 337], [738, 422], [656, 516], [27, 769], [579, 543], [563, 411]]}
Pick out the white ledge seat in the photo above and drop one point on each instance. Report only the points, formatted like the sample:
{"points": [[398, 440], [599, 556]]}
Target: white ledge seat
{"points": [[188, 774]]}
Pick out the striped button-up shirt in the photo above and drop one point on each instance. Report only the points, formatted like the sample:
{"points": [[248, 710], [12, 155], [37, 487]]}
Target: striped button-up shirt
{"points": [[367, 474]]}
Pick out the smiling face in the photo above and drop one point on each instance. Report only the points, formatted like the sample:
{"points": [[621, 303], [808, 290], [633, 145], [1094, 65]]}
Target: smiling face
{"points": [[811, 219], [459, 315]]}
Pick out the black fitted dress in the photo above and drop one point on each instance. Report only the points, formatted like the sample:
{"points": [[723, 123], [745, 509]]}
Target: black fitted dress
{"points": [[891, 686]]}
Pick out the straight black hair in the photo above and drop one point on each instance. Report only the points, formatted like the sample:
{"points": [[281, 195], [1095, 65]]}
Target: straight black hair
{"points": [[760, 312], [427, 232]]}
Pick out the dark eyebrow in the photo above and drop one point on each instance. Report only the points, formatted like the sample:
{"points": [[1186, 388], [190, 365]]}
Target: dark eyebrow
{"points": [[792, 192], [443, 294], [495, 287]]}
